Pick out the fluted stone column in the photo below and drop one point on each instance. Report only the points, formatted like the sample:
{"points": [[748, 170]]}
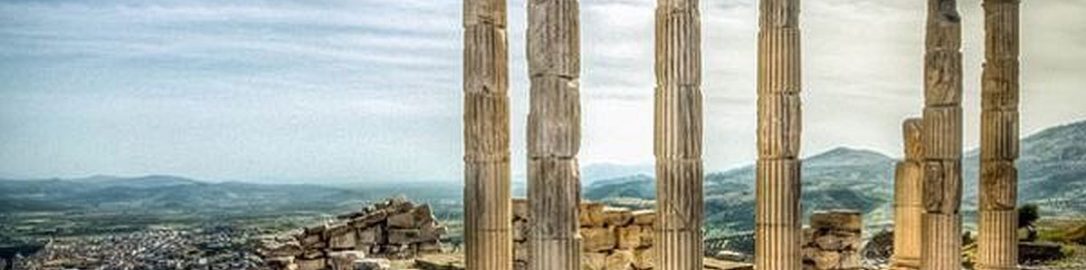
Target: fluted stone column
{"points": [[998, 238], [554, 134], [941, 223], [777, 232], [487, 204], [908, 206], [678, 136]]}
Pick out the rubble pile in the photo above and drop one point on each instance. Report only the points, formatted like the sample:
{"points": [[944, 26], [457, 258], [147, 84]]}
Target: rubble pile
{"points": [[393, 229], [612, 238], [833, 240]]}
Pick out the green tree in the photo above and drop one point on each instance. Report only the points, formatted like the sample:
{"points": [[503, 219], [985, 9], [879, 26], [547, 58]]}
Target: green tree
{"points": [[1027, 215]]}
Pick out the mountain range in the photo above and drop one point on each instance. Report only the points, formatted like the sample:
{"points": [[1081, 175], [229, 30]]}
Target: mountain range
{"points": [[1052, 173]]}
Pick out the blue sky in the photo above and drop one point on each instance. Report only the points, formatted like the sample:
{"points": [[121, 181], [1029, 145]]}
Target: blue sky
{"points": [[369, 90]]}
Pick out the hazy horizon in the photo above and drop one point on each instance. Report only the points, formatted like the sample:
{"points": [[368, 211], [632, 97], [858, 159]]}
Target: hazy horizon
{"points": [[370, 90]]}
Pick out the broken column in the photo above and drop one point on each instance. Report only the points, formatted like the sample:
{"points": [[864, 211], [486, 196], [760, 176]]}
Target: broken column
{"points": [[907, 202], [998, 238], [777, 229], [554, 134], [941, 222], [487, 202], [678, 135]]}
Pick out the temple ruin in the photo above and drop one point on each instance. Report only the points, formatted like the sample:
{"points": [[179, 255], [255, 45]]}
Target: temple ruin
{"points": [[998, 243], [554, 134], [777, 177], [678, 133], [487, 201], [941, 225], [908, 206], [928, 185]]}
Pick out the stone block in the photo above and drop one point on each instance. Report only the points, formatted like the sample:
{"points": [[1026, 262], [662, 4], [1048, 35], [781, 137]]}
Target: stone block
{"points": [[678, 127], [778, 181], [277, 263], [628, 237], [423, 214], [999, 135], [779, 125], [371, 235], [554, 119], [908, 178], [288, 249], [344, 260], [826, 260], [615, 217], [644, 217], [431, 231], [520, 251], [851, 260], [913, 129], [943, 133], [404, 220], [593, 261], [998, 185], [780, 67], [372, 264], [644, 258], [943, 78], [648, 237], [342, 239], [520, 209], [370, 219], [439, 262], [1000, 85], [429, 247], [553, 40], [591, 214], [942, 186], [403, 236], [520, 230], [310, 241], [554, 200], [485, 13], [398, 204], [843, 220], [676, 181], [621, 260], [310, 264], [598, 239], [486, 118], [313, 253]]}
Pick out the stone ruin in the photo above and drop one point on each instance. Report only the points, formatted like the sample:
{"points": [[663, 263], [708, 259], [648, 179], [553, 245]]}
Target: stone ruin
{"points": [[833, 241], [611, 238], [392, 229]]}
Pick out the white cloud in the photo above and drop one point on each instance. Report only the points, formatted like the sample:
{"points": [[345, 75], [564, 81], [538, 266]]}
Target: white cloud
{"points": [[371, 89]]}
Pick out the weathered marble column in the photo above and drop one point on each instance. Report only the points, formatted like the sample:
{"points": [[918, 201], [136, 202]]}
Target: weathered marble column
{"points": [[941, 223], [487, 203], [998, 242], [678, 136], [907, 198], [777, 229], [554, 134]]}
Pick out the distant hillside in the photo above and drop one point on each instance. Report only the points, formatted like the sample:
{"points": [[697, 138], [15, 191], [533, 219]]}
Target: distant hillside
{"points": [[1052, 172], [158, 191], [840, 178], [636, 186]]}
